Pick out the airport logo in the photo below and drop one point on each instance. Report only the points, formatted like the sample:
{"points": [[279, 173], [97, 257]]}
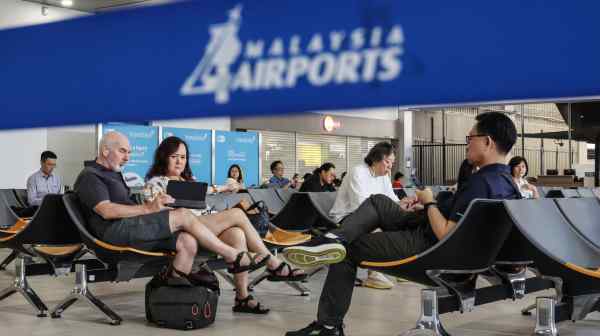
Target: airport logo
{"points": [[250, 139], [247, 139], [189, 137], [361, 55]]}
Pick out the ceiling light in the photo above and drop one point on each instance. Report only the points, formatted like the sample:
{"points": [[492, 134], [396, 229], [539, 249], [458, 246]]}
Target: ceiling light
{"points": [[67, 3]]}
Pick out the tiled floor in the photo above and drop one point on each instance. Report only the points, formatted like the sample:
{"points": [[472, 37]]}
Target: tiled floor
{"points": [[373, 312]]}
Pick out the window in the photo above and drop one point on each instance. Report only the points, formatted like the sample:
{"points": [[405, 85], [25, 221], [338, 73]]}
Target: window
{"points": [[278, 146], [314, 150], [358, 148], [302, 153]]}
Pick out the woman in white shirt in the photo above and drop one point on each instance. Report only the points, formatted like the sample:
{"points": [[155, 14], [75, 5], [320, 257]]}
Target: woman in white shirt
{"points": [[235, 179], [369, 178], [518, 169]]}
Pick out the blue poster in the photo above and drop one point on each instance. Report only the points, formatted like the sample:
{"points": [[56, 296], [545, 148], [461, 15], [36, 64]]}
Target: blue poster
{"points": [[236, 148], [143, 141], [247, 57], [199, 143]]}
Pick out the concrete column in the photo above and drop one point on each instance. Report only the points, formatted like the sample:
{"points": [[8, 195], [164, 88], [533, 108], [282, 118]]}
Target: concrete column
{"points": [[405, 142]]}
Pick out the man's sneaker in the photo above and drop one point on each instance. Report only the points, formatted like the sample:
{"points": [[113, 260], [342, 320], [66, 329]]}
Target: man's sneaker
{"points": [[316, 252], [316, 329], [378, 281]]}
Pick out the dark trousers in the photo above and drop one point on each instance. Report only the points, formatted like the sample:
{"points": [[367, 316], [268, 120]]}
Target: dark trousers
{"points": [[404, 234]]}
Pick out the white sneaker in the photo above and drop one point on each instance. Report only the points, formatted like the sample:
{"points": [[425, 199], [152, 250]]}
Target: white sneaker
{"points": [[378, 281]]}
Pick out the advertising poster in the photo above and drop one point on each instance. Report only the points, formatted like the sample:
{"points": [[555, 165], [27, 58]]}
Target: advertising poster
{"points": [[237, 148], [143, 141], [199, 143]]}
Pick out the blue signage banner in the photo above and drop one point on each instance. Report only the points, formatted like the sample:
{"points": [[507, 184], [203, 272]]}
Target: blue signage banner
{"points": [[143, 141], [239, 148], [199, 143], [211, 58]]}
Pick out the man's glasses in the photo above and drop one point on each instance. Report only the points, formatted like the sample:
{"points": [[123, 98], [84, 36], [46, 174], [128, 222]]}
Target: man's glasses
{"points": [[469, 137]]}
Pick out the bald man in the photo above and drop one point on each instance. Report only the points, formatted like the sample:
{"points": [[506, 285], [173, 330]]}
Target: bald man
{"points": [[115, 218]]}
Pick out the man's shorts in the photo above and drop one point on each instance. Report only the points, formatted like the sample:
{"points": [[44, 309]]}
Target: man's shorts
{"points": [[147, 232]]}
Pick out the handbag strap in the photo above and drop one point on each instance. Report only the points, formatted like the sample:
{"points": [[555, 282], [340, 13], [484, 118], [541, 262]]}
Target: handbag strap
{"points": [[260, 205]]}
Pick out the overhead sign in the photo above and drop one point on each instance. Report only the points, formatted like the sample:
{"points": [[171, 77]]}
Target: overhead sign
{"points": [[339, 56], [211, 58], [199, 143], [241, 148]]}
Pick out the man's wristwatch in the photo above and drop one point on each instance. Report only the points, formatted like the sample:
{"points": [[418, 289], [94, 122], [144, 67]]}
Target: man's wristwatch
{"points": [[429, 204]]}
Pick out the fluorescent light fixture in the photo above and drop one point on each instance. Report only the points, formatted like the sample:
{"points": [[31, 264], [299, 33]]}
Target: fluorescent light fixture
{"points": [[67, 3]]}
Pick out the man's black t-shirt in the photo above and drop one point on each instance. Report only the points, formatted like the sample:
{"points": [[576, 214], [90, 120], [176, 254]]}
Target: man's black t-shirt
{"points": [[96, 184]]}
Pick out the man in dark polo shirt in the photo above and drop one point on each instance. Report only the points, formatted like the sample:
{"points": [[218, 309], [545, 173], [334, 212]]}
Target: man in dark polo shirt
{"points": [[405, 233], [114, 218], [321, 180]]}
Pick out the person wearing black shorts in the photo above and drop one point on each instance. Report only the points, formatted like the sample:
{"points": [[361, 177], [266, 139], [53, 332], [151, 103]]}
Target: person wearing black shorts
{"points": [[114, 218]]}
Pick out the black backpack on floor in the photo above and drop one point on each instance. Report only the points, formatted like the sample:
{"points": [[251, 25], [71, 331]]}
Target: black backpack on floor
{"points": [[178, 304]]}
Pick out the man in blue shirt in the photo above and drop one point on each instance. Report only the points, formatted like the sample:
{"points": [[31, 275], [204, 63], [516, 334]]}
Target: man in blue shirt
{"points": [[43, 181], [277, 180], [406, 232]]}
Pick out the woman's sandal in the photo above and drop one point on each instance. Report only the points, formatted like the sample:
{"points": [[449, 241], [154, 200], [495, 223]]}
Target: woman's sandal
{"points": [[236, 266], [242, 306], [275, 275]]}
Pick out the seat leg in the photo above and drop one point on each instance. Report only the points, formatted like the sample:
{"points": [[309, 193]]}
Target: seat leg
{"points": [[8, 260], [6, 292], [429, 322], [95, 303], [303, 290], [262, 277], [464, 289], [558, 285], [583, 305], [21, 285], [527, 310], [545, 322], [515, 279], [82, 292], [228, 277]]}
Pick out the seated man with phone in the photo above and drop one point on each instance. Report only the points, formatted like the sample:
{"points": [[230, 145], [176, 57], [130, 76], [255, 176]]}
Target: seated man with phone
{"points": [[405, 234]]}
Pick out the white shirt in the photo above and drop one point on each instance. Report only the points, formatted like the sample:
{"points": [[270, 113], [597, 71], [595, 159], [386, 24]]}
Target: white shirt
{"points": [[522, 184], [40, 184], [359, 185], [233, 183]]}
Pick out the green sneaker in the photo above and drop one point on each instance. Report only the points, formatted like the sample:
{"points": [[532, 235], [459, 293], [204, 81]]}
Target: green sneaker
{"points": [[316, 252]]}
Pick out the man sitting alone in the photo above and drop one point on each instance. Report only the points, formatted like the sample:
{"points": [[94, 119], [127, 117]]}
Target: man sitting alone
{"points": [[404, 233]]}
